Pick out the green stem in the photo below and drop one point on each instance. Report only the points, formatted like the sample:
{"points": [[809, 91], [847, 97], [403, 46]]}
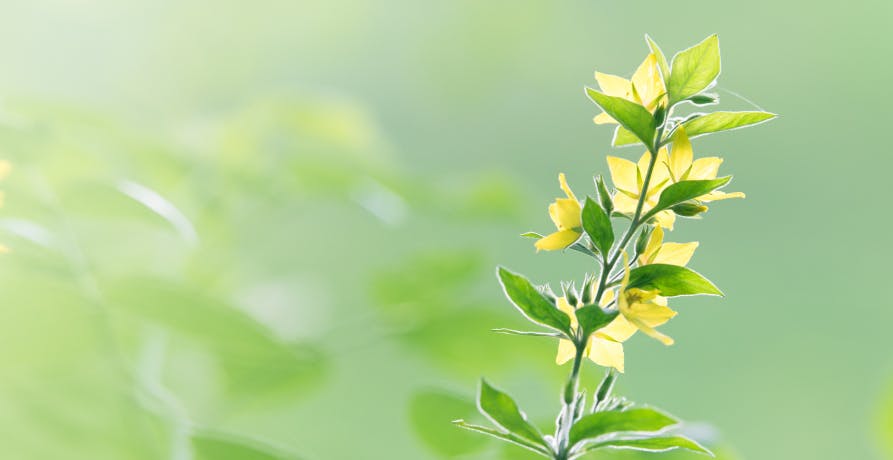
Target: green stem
{"points": [[562, 435]]}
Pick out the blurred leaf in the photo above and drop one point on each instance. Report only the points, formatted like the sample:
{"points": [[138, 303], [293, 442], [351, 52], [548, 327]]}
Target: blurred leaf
{"points": [[693, 70], [430, 414], [630, 115], [723, 121], [502, 410], [257, 366], [510, 438], [531, 302], [211, 446], [671, 280], [598, 226], [599, 424]]}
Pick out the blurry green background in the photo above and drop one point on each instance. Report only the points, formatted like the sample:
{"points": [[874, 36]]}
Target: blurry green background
{"points": [[261, 230]]}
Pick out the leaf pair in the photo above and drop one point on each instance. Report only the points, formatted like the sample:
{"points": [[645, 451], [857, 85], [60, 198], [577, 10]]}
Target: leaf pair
{"points": [[641, 428]]}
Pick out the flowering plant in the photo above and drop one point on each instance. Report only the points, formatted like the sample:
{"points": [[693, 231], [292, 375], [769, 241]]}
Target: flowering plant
{"points": [[627, 293]]}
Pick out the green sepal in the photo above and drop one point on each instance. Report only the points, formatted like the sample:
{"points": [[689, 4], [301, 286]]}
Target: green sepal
{"points": [[671, 280], [723, 121], [597, 225], [604, 196], [502, 410], [641, 420], [532, 303], [694, 70], [630, 115]]}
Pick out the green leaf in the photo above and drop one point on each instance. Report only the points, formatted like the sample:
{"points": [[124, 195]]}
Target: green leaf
{"points": [[704, 99], [593, 318], [630, 115], [508, 437], [661, 58], [671, 280], [597, 225], [502, 410], [533, 235], [531, 302], [623, 137], [657, 444], [724, 121], [683, 191], [639, 420], [214, 446], [693, 70]]}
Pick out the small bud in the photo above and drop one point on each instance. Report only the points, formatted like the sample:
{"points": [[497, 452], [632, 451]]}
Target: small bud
{"points": [[704, 99], [586, 293], [660, 114], [689, 209], [642, 241], [570, 293], [604, 195], [546, 291]]}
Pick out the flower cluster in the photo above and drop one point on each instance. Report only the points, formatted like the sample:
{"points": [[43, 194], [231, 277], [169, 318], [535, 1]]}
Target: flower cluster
{"points": [[624, 295]]}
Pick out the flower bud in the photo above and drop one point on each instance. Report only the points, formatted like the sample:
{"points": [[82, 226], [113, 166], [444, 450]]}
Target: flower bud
{"points": [[689, 209], [604, 195], [642, 241]]}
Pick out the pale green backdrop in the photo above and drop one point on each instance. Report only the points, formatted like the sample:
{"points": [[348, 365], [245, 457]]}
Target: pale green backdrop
{"points": [[268, 229]]}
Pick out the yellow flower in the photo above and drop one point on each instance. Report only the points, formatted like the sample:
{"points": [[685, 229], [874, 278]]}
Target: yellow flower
{"points": [[646, 88], [682, 166], [658, 252], [566, 213], [628, 178]]}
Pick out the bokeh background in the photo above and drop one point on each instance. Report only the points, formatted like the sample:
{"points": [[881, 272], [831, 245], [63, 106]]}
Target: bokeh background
{"points": [[265, 230]]}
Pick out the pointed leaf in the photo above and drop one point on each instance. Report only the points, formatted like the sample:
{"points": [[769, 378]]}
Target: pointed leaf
{"points": [[656, 444], [693, 70], [593, 318], [724, 121], [683, 191], [529, 333], [508, 437], [597, 225], [630, 115], [671, 280], [531, 302], [639, 420], [502, 410]]}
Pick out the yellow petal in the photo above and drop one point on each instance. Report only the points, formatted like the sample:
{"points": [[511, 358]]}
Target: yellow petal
{"points": [[613, 85], [569, 310], [606, 352], [558, 240], [675, 253], [566, 351], [604, 119], [648, 82], [607, 298], [681, 155], [5, 168], [623, 174], [653, 333], [562, 181], [717, 195], [619, 330], [660, 176], [566, 213], [648, 313], [653, 246], [705, 168], [665, 219], [625, 204]]}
